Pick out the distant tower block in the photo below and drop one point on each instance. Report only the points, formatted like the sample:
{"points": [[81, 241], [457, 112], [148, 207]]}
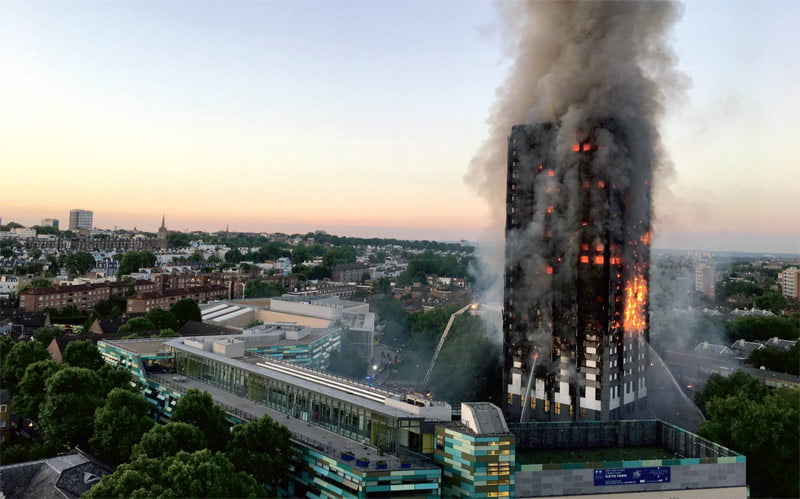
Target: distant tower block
{"points": [[80, 219], [576, 275]]}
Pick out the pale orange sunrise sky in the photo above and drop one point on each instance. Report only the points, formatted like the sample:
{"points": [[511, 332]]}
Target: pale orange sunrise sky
{"points": [[358, 118]]}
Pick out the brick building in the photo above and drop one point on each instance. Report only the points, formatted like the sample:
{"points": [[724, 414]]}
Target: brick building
{"points": [[349, 272], [144, 302], [82, 296]]}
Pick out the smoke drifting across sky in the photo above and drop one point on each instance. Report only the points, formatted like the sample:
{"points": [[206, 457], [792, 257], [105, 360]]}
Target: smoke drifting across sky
{"points": [[575, 62]]}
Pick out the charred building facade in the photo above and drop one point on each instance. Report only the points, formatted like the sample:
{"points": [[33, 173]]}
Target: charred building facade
{"points": [[575, 318]]}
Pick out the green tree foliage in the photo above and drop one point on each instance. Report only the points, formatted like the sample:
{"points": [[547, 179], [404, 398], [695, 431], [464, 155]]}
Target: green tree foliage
{"points": [[119, 425], [253, 323], [19, 357], [34, 268], [45, 334], [383, 286], [468, 367], [234, 256], [719, 386], [771, 300], [762, 425], [162, 319], [200, 474], [342, 254], [113, 306], [198, 408], [428, 264], [319, 272], [261, 289], [178, 240], [168, 440], [39, 282], [132, 261], [262, 449], [136, 324], [763, 328], [300, 254], [776, 359], [9, 247], [737, 287], [66, 416], [167, 333], [46, 229], [186, 310], [270, 251], [30, 393], [78, 263], [112, 377], [83, 354], [427, 327]]}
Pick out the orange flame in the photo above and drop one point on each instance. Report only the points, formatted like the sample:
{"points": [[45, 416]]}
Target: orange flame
{"points": [[646, 238], [635, 301]]}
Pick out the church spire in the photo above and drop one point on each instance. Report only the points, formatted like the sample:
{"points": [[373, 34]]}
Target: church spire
{"points": [[163, 220]]}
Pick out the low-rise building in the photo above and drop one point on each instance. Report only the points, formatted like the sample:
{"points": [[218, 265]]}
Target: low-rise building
{"points": [[144, 302], [83, 296]]}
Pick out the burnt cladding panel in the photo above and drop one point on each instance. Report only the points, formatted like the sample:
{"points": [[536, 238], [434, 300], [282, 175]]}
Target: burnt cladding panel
{"points": [[530, 149]]}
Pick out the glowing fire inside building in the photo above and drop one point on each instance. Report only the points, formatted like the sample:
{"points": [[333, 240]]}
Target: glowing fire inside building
{"points": [[575, 317]]}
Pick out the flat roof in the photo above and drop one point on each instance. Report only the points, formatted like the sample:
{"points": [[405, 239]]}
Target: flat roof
{"points": [[333, 443], [309, 379]]}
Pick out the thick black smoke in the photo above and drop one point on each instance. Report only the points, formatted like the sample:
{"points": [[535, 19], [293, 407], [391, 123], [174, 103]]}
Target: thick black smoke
{"points": [[576, 63]]}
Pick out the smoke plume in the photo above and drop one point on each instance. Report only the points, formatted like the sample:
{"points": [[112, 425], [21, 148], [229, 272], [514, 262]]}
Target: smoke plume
{"points": [[575, 63]]}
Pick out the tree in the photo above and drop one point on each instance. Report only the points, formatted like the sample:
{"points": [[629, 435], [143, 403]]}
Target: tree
{"points": [[119, 425], [132, 261], [167, 333], [342, 254], [770, 300], [30, 392], [78, 263], [320, 272], [300, 254], [198, 408], [67, 414], [137, 324], [39, 282], [762, 426], [234, 256], [21, 355], [777, 359], [164, 441], [260, 289], [162, 319], [112, 377], [719, 386], [261, 448], [83, 354], [186, 310], [763, 328], [45, 334], [253, 323], [200, 474]]}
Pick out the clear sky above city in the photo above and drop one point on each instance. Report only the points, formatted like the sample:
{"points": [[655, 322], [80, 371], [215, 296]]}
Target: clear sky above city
{"points": [[359, 117]]}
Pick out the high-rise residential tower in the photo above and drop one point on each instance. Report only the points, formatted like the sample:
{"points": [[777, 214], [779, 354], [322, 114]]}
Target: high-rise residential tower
{"points": [[80, 219], [575, 318]]}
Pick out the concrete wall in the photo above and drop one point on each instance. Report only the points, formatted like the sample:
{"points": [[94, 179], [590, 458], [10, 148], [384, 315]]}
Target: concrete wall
{"points": [[300, 308], [567, 482]]}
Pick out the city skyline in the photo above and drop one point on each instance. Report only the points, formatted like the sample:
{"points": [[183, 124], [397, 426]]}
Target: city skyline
{"points": [[358, 118]]}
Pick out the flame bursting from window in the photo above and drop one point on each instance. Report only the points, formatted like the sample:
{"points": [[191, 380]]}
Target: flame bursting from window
{"points": [[635, 305]]}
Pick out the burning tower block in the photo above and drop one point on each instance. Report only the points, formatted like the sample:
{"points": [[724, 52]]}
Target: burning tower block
{"points": [[575, 318]]}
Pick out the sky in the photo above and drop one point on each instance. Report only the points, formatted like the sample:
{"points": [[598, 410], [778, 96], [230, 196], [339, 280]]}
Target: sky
{"points": [[358, 118]]}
